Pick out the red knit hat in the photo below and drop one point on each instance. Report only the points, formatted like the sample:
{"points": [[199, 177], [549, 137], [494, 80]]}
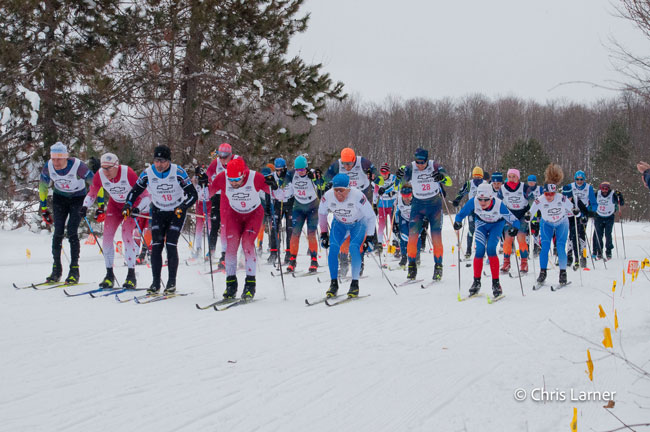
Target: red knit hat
{"points": [[236, 168]]}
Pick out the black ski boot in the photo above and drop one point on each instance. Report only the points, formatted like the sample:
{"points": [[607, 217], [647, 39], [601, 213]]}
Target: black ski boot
{"points": [[402, 261], [354, 288], [154, 288], [563, 278], [412, 271], [171, 287], [73, 275], [55, 276], [231, 287], [130, 281], [287, 256], [344, 264], [576, 266], [313, 267], [542, 276], [476, 286], [496, 288], [437, 272], [249, 288], [334, 288], [569, 259], [222, 262], [292, 264], [109, 279]]}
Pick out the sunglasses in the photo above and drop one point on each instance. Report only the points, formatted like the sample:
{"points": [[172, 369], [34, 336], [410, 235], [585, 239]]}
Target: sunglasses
{"points": [[549, 193], [484, 199], [580, 179], [406, 191], [106, 168], [420, 162], [159, 159], [301, 170], [235, 179], [347, 163]]}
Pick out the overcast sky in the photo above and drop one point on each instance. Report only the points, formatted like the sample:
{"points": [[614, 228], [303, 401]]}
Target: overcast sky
{"points": [[438, 48]]}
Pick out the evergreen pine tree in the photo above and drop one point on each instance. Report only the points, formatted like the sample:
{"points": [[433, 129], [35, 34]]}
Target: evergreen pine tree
{"points": [[528, 156]]}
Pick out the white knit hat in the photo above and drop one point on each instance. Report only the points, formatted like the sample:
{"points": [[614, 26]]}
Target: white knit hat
{"points": [[109, 160], [59, 150]]}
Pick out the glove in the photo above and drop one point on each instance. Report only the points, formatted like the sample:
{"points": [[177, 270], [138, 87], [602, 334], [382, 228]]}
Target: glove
{"points": [[512, 232], [328, 186], [310, 174], [203, 179], [527, 217], [83, 211], [618, 197], [47, 216], [381, 191], [100, 214], [438, 176], [369, 244], [395, 228], [455, 202], [270, 180], [178, 211], [576, 211], [135, 212], [400, 173], [325, 240], [126, 210], [584, 220], [457, 226]]}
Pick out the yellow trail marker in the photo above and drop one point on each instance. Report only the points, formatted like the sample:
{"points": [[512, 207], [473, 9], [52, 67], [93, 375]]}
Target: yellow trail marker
{"points": [[607, 341], [28, 253], [601, 312], [590, 366]]}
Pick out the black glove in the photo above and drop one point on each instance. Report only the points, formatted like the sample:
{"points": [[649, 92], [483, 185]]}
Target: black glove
{"points": [[438, 176], [270, 180], [47, 216], [575, 211], [395, 228], [381, 191], [135, 212], [374, 208], [126, 210], [369, 243], [400, 173], [455, 202], [512, 232], [527, 217], [100, 214], [457, 226], [618, 197], [310, 174], [83, 211], [534, 225], [178, 211], [203, 179], [584, 220], [328, 186], [325, 240], [583, 208]]}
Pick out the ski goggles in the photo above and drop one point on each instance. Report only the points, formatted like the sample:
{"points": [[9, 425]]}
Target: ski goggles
{"points": [[406, 191], [223, 155], [420, 162], [605, 188], [301, 170], [484, 199], [235, 179], [580, 179]]}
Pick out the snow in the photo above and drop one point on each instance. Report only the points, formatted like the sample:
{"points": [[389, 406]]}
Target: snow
{"points": [[418, 361], [259, 85], [282, 130], [35, 101], [292, 81]]}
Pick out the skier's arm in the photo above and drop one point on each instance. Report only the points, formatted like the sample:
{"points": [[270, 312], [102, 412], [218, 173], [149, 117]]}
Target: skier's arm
{"points": [[508, 216], [95, 187], [467, 209], [593, 204], [463, 191], [447, 180], [260, 184], [369, 217], [44, 186], [137, 188], [322, 215], [331, 172], [191, 196]]}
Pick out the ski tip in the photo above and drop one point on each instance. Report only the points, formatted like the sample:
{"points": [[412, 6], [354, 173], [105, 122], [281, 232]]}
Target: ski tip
{"points": [[307, 302], [67, 293], [197, 306]]}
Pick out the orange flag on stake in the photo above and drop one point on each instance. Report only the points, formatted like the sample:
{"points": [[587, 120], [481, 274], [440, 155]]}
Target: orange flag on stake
{"points": [[590, 366], [602, 313], [607, 341], [29, 253], [615, 320], [574, 422]]}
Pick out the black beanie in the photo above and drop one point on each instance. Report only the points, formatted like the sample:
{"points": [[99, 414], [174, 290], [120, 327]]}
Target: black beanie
{"points": [[162, 151]]}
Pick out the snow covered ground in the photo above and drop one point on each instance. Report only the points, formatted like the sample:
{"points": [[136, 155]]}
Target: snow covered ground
{"points": [[418, 361]]}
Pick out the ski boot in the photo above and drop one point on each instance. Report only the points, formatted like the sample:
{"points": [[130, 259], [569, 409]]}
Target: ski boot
{"points": [[154, 288], [523, 267], [468, 255], [569, 259], [130, 281], [109, 279], [576, 266], [476, 286], [222, 262], [231, 287], [563, 279], [344, 264], [73, 275], [273, 257], [496, 288], [583, 262], [249, 288], [55, 276], [354, 289], [542, 276], [379, 249], [397, 253], [608, 255], [402, 261], [171, 287], [292, 264], [313, 267], [505, 268], [287, 256], [334, 288], [437, 272], [412, 271]]}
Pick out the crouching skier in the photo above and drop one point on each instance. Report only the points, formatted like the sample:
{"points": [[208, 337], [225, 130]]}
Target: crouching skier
{"points": [[490, 215], [243, 215], [353, 218]]}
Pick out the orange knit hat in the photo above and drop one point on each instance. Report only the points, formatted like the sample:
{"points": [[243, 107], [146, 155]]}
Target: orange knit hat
{"points": [[347, 155]]}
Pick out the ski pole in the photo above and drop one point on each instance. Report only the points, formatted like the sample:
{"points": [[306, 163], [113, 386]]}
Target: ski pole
{"points": [[518, 271], [575, 227], [593, 264], [383, 272], [531, 248], [457, 241], [205, 226], [600, 247], [620, 219], [277, 231], [97, 242]]}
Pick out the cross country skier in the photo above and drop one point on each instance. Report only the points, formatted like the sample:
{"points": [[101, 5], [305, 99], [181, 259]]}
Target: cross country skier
{"points": [[243, 214], [116, 180], [217, 166], [402, 220], [491, 214], [607, 206], [426, 176], [583, 192], [362, 173], [201, 182], [554, 209], [353, 219], [469, 188], [644, 169], [514, 195], [386, 190], [70, 177], [172, 193], [305, 209], [283, 206], [534, 191]]}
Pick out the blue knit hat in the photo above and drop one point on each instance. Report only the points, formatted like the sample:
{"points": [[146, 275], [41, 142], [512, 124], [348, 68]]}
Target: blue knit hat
{"points": [[497, 177], [341, 181], [532, 177], [280, 163], [421, 154], [300, 162], [266, 171], [580, 174], [567, 190]]}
